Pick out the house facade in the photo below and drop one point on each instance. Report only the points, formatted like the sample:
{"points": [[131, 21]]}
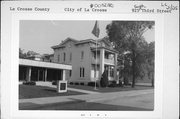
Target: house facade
{"points": [[87, 59]]}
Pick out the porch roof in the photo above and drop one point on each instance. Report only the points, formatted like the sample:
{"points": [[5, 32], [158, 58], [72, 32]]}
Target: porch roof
{"points": [[107, 49], [26, 62]]}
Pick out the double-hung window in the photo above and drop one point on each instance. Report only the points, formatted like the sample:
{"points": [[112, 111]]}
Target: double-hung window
{"points": [[58, 58], [64, 56], [82, 72]]}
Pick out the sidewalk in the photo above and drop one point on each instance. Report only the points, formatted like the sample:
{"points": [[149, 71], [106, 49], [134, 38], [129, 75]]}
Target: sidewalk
{"points": [[143, 84]]}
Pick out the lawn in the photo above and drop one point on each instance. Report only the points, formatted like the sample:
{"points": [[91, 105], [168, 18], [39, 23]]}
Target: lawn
{"points": [[109, 89], [28, 91]]}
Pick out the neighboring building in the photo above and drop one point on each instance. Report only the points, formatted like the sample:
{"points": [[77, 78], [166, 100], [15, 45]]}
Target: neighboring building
{"points": [[48, 58], [45, 57], [81, 55], [36, 57]]}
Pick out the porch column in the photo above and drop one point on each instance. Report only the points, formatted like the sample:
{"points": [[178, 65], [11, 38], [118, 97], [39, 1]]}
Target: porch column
{"points": [[101, 62], [63, 75], [45, 75], [28, 74], [109, 68], [38, 74], [42, 74], [115, 66]]}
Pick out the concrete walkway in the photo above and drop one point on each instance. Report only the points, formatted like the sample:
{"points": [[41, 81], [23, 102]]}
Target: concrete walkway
{"points": [[83, 91]]}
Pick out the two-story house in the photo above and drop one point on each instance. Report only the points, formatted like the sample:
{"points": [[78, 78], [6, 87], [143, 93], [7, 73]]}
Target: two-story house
{"points": [[85, 57]]}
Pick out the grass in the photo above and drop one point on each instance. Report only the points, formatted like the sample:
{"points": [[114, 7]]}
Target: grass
{"points": [[109, 89], [27, 91]]}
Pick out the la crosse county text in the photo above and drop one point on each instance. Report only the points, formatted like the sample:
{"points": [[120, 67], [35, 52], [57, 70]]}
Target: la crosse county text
{"points": [[40, 9]]}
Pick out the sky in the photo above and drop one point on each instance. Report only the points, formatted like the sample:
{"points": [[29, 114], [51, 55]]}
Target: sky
{"points": [[40, 35]]}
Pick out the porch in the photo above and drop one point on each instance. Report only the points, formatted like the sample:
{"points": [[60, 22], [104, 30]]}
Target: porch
{"points": [[30, 70], [103, 58]]}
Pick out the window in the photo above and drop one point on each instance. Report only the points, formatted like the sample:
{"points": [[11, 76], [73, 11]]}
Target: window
{"points": [[82, 54], [95, 69], [106, 56], [58, 58], [111, 72], [70, 73], [94, 55], [82, 72], [64, 56], [70, 58]]}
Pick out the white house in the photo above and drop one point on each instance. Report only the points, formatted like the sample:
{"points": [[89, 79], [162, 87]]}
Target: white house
{"points": [[81, 55]]}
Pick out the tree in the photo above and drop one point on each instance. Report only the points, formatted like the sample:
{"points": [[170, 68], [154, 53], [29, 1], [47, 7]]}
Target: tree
{"points": [[21, 53], [104, 79], [24, 55], [31, 53], [150, 61], [127, 36], [127, 71]]}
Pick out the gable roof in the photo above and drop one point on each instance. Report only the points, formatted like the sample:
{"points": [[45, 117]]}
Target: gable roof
{"points": [[67, 40], [76, 42], [64, 42], [85, 41]]}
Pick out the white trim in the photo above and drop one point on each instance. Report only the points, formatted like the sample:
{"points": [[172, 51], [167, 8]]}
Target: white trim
{"points": [[44, 64]]}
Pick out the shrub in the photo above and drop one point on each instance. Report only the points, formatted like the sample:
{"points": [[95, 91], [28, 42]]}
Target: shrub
{"points": [[126, 82], [81, 83], [54, 82], [93, 84], [120, 83], [104, 79], [113, 84], [71, 83], [29, 83], [76, 83]]}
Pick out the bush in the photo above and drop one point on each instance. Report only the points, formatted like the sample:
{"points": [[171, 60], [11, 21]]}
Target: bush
{"points": [[76, 83], [54, 82], [113, 84], [93, 84], [126, 82], [81, 83], [71, 83], [104, 79], [29, 83], [120, 83]]}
